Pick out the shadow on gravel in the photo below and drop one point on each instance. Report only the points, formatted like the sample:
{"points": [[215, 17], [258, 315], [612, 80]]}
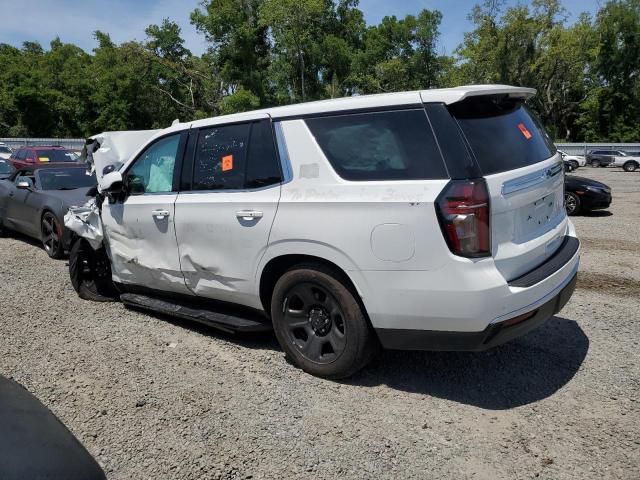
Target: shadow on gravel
{"points": [[597, 213], [524, 371]]}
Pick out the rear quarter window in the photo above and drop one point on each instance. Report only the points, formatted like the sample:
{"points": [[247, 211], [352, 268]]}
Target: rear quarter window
{"points": [[503, 135], [394, 145]]}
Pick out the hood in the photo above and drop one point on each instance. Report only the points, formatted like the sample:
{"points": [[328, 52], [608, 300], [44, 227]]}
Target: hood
{"points": [[5, 156], [70, 198], [113, 149], [586, 182]]}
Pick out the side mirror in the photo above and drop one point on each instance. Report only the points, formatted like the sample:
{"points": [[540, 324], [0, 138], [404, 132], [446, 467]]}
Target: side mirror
{"points": [[111, 183], [23, 185]]}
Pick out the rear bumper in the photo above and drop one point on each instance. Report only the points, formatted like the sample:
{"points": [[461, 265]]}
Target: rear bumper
{"points": [[495, 334]]}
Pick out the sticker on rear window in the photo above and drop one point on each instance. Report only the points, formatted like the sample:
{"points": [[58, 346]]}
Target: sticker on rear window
{"points": [[44, 159], [525, 131], [227, 163]]}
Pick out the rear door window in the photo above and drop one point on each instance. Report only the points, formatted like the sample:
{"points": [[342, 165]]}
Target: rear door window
{"points": [[236, 157], [393, 145], [503, 134]]}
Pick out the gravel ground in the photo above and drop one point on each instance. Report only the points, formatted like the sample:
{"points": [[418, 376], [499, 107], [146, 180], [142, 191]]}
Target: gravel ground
{"points": [[155, 398]]}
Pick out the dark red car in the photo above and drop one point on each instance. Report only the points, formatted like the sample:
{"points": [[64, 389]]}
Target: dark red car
{"points": [[26, 157]]}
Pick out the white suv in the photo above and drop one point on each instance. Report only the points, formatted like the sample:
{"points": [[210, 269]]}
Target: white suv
{"points": [[423, 220]]}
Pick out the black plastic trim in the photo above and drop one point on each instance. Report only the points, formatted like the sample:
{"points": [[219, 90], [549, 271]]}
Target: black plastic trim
{"points": [[555, 262], [492, 336], [348, 111]]}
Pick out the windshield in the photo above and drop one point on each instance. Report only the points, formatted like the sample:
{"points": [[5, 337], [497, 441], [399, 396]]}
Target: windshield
{"points": [[65, 179], [5, 167], [4, 149], [57, 155], [503, 134]]}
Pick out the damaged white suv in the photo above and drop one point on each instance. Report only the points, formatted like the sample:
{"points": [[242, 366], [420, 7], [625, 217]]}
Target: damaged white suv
{"points": [[423, 220]]}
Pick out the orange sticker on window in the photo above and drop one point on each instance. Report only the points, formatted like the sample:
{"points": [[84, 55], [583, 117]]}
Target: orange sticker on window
{"points": [[525, 131], [227, 163]]}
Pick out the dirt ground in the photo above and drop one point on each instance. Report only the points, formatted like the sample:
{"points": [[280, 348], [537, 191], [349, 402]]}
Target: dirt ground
{"points": [[152, 398]]}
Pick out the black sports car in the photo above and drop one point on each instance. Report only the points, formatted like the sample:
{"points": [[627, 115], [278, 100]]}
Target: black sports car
{"points": [[583, 195], [34, 202]]}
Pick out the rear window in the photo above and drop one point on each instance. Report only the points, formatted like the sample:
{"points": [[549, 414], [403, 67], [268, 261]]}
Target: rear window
{"points": [[503, 134], [397, 145], [56, 156], [65, 179]]}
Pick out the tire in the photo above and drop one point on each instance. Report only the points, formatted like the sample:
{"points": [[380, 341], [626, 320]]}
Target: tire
{"points": [[51, 236], [630, 166], [572, 203], [320, 324], [595, 163], [90, 273], [574, 164]]}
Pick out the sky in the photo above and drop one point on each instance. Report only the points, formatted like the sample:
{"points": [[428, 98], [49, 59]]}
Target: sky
{"points": [[74, 21]]}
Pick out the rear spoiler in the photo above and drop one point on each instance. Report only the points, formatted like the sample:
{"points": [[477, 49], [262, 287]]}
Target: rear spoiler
{"points": [[458, 94]]}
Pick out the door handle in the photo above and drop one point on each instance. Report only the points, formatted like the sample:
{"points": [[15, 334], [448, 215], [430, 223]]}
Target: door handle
{"points": [[160, 214], [249, 214]]}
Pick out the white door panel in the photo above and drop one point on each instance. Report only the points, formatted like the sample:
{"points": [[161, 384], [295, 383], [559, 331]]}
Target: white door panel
{"points": [[142, 242], [222, 236]]}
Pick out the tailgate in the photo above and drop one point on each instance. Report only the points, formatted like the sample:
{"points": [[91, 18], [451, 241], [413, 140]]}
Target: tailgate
{"points": [[525, 179]]}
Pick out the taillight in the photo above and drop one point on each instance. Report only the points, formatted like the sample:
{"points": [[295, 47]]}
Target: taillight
{"points": [[464, 213]]}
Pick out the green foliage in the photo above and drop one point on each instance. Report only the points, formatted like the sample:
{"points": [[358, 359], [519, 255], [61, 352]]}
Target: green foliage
{"points": [[274, 52]]}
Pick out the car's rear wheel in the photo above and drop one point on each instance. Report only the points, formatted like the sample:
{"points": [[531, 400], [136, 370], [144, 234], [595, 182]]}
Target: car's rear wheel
{"points": [[595, 163], [90, 273], [571, 203], [320, 324], [52, 236], [630, 166]]}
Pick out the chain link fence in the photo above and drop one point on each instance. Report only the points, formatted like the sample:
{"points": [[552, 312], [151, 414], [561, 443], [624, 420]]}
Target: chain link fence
{"points": [[71, 143]]}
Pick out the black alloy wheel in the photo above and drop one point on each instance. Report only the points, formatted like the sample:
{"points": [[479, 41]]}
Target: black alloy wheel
{"points": [[321, 323], [315, 322], [52, 236], [571, 203]]}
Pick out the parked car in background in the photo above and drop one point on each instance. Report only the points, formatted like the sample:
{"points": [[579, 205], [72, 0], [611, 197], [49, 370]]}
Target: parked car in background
{"points": [[5, 151], [618, 158], [34, 200], [347, 223], [575, 160], [568, 166], [6, 169], [26, 157], [584, 195]]}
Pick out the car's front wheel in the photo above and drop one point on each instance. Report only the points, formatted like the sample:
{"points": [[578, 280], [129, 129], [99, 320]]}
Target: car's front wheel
{"points": [[630, 166], [574, 164], [90, 272], [52, 236], [571, 203], [320, 324]]}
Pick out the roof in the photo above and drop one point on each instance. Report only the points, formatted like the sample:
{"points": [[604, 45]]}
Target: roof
{"points": [[441, 95]]}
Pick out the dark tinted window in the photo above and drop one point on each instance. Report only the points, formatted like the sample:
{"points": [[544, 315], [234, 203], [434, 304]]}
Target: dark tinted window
{"points": [[262, 163], [503, 134], [4, 149], [21, 155], [220, 159], [380, 146], [65, 179]]}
